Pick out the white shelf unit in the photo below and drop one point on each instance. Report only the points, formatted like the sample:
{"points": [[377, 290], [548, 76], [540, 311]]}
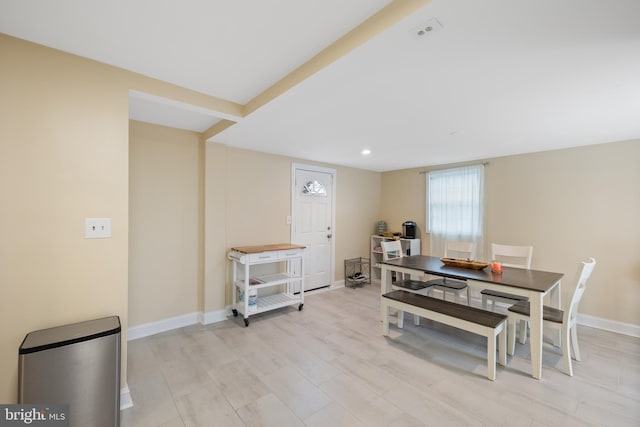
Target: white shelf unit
{"points": [[409, 247], [246, 285]]}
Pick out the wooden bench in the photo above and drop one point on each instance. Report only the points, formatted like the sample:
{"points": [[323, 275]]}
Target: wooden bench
{"points": [[414, 286], [481, 322]]}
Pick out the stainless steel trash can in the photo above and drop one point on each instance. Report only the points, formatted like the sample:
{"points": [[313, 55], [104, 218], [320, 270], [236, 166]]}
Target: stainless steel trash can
{"points": [[78, 365]]}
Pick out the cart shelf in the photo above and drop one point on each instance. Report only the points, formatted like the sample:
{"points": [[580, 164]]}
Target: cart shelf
{"points": [[245, 287]]}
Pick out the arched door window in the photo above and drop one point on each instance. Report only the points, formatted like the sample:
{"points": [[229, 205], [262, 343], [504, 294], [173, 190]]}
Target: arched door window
{"points": [[314, 188]]}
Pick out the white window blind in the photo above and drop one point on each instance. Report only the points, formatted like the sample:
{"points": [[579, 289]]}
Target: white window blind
{"points": [[455, 207]]}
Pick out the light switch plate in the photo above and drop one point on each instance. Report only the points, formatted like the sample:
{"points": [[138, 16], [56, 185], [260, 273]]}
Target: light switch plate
{"points": [[97, 228]]}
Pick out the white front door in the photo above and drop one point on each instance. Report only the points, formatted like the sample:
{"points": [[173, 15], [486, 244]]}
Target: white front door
{"points": [[312, 223]]}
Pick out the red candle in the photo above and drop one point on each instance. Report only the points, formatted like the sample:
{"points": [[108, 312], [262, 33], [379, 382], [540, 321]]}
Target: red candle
{"points": [[496, 266]]}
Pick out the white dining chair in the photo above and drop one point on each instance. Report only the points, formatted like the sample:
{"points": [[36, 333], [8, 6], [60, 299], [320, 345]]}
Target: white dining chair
{"points": [[392, 249], [462, 250], [509, 256], [563, 320]]}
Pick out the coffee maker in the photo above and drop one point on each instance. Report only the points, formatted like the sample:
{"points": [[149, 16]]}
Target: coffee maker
{"points": [[409, 229]]}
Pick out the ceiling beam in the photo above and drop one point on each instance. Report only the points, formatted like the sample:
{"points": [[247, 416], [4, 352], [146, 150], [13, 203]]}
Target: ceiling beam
{"points": [[374, 25], [161, 89], [377, 23], [217, 128]]}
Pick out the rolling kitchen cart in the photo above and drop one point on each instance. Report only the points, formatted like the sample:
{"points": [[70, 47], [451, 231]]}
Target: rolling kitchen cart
{"points": [[245, 299]]}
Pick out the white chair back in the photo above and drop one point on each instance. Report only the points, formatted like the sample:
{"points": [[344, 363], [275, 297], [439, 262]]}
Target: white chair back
{"points": [[571, 312], [460, 250], [391, 249], [516, 256]]}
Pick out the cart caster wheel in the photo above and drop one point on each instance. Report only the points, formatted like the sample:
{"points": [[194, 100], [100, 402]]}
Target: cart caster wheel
{"points": [[246, 322], [300, 307], [235, 312]]}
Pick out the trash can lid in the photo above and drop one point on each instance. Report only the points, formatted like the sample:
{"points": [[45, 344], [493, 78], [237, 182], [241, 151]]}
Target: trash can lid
{"points": [[46, 339]]}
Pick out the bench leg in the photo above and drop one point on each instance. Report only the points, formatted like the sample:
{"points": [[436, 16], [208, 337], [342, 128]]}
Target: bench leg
{"points": [[385, 317], [523, 331], [400, 321], [491, 357], [416, 320], [502, 345], [484, 302]]}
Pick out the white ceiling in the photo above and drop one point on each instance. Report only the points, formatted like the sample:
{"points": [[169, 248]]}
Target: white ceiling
{"points": [[500, 77]]}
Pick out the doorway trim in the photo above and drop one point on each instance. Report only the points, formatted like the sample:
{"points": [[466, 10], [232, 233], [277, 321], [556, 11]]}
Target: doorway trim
{"points": [[301, 166]]}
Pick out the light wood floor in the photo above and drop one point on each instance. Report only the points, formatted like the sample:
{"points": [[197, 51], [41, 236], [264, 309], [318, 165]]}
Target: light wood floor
{"points": [[329, 366]]}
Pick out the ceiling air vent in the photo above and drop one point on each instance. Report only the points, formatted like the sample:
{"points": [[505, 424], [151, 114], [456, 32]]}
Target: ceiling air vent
{"points": [[426, 29]]}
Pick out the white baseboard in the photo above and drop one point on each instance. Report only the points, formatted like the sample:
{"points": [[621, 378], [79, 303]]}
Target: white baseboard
{"points": [[125, 398], [609, 325], [605, 324], [596, 322], [152, 328], [164, 325], [215, 316]]}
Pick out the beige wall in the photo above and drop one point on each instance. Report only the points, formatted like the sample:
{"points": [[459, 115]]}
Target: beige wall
{"points": [[164, 227], [403, 199], [259, 199], [215, 217], [569, 204], [63, 157], [247, 197], [358, 203]]}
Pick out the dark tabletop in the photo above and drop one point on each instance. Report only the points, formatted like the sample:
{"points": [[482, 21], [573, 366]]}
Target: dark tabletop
{"points": [[523, 278]]}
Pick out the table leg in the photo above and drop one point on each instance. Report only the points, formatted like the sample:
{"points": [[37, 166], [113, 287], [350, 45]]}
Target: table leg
{"points": [[385, 287], [536, 335]]}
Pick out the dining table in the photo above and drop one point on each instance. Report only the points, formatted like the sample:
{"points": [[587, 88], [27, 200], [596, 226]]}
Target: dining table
{"points": [[533, 284]]}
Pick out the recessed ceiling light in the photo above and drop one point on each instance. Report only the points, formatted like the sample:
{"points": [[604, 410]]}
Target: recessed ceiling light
{"points": [[366, 152]]}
